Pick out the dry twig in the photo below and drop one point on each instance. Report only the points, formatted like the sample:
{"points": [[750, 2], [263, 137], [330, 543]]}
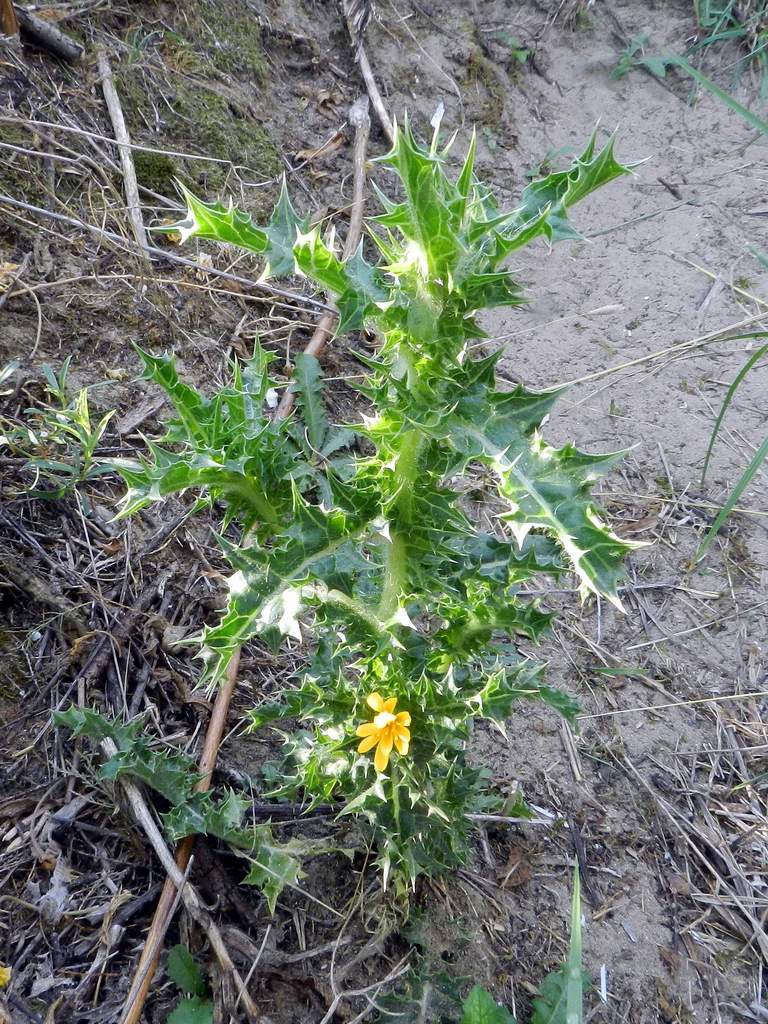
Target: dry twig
{"points": [[358, 117], [47, 36], [164, 911], [133, 203]]}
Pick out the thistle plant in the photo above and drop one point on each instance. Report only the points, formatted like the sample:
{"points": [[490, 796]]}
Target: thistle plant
{"points": [[411, 615]]}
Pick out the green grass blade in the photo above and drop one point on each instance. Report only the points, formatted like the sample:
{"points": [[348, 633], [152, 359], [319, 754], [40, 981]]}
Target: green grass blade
{"points": [[746, 478], [561, 995], [707, 83], [729, 396]]}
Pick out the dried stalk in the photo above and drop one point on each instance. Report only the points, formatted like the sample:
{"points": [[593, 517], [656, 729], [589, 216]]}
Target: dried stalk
{"points": [[360, 120], [373, 91], [142, 980], [189, 896], [47, 36], [123, 139], [357, 14]]}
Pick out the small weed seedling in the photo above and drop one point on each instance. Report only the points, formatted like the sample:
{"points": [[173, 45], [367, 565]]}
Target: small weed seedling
{"points": [[195, 1005], [560, 998], [410, 613], [746, 22], [59, 438]]}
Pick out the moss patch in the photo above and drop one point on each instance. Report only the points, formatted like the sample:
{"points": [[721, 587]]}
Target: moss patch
{"points": [[483, 82], [230, 36], [194, 119], [155, 171]]}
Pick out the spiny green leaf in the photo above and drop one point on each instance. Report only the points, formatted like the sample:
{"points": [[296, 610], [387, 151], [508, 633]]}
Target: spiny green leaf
{"points": [[555, 193], [95, 726], [219, 223], [546, 488], [308, 385], [282, 230], [356, 285], [183, 970], [273, 867], [505, 687], [430, 222], [266, 591], [481, 1008]]}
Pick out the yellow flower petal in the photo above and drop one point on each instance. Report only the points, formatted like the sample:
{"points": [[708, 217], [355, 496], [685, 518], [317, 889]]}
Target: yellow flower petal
{"points": [[400, 730], [381, 760], [367, 743], [403, 718], [366, 729], [5, 975], [389, 704], [374, 701], [402, 743]]}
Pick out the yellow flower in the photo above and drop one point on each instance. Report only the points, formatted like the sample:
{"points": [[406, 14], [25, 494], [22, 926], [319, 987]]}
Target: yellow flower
{"points": [[5, 975], [387, 730]]}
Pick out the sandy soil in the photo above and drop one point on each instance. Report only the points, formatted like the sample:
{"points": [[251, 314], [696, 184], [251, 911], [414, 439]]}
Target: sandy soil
{"points": [[673, 845]]}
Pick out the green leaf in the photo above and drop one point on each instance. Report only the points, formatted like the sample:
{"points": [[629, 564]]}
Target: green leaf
{"points": [[267, 591], [481, 1008], [504, 688], [426, 215], [745, 479], [545, 488], [273, 867], [172, 774], [732, 389], [188, 402], [234, 227], [282, 231], [183, 970], [308, 386], [357, 286], [743, 112], [551, 197], [219, 223], [561, 995], [192, 1011]]}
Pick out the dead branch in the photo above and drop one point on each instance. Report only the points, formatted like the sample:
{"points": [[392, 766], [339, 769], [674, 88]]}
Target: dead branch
{"points": [[45, 35], [375, 96], [123, 139], [189, 896], [9, 23], [360, 120], [357, 14]]}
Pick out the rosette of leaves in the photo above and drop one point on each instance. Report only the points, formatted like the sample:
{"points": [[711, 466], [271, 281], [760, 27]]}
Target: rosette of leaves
{"points": [[373, 558]]}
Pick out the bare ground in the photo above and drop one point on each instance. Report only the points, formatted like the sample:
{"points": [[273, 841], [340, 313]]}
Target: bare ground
{"points": [[664, 808]]}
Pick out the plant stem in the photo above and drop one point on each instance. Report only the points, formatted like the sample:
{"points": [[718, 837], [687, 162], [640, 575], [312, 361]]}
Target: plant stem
{"points": [[395, 573], [257, 498], [396, 548], [394, 777]]}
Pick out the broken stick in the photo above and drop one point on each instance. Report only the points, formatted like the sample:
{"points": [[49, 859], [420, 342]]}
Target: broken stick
{"points": [[9, 23], [123, 139], [359, 119], [46, 36], [189, 897]]}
